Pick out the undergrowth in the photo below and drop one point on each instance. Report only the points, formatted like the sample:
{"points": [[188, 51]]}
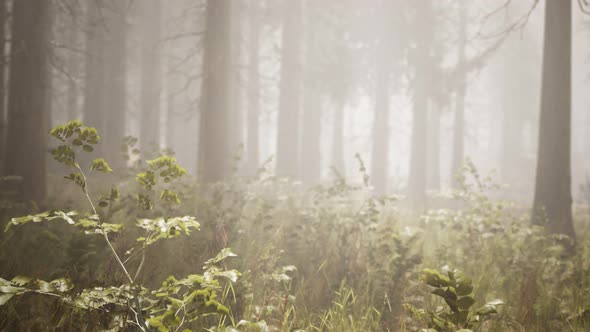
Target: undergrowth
{"points": [[117, 252]]}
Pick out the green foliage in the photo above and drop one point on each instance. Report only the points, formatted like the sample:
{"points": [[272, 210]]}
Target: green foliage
{"points": [[176, 302], [455, 289]]}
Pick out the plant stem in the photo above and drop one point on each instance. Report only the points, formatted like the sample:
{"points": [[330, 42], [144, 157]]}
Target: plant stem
{"points": [[106, 237]]}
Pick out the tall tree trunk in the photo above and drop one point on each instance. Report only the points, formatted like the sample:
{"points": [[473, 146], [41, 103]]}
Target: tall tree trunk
{"points": [[214, 144], [422, 92], [290, 91], [253, 87], [3, 84], [27, 115], [460, 93], [553, 197], [115, 83], [150, 76], [380, 147], [94, 72], [310, 142], [73, 92], [337, 141], [312, 107], [236, 120], [434, 148]]}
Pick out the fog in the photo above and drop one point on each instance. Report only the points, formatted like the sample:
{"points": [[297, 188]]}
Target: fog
{"points": [[343, 76], [375, 165]]}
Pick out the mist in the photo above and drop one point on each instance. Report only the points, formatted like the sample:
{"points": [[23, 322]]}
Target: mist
{"points": [[421, 126]]}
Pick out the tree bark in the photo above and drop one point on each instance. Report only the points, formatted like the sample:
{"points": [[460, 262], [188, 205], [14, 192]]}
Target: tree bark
{"points": [[312, 106], [434, 148], [150, 76], [115, 82], [460, 94], [253, 88], [290, 91], [27, 113], [236, 121], [380, 147], [337, 141], [3, 84], [214, 145], [553, 198], [422, 92], [94, 77]]}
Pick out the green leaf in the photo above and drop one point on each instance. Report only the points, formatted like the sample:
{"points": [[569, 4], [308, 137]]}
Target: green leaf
{"points": [[223, 254], [88, 148], [5, 298], [100, 165], [465, 303], [489, 308], [434, 278]]}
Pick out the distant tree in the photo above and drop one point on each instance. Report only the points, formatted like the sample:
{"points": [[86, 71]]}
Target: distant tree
{"points": [[553, 197], [312, 100], [253, 87], [458, 156], [3, 83], [236, 91], [421, 62], [150, 22], [94, 70], [214, 145], [288, 132], [380, 150], [27, 113], [115, 81]]}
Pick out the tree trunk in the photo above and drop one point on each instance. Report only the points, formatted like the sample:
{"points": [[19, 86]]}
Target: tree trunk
{"points": [[338, 144], [150, 76], [459, 116], [553, 197], [115, 83], [434, 148], [290, 91], [236, 130], [27, 115], [380, 147], [312, 107], [253, 88], [422, 92], [214, 144], [3, 84], [94, 111]]}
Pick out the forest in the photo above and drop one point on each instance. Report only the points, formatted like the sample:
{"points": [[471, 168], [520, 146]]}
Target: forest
{"points": [[295, 165]]}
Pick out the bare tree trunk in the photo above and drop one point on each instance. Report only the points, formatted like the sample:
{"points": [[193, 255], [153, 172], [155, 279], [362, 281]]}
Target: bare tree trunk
{"points": [[115, 82], [94, 110], [3, 83], [150, 75], [214, 145], [380, 147], [338, 144], [236, 121], [290, 91], [253, 87], [553, 197], [27, 113], [459, 118], [312, 107], [422, 92], [434, 148]]}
